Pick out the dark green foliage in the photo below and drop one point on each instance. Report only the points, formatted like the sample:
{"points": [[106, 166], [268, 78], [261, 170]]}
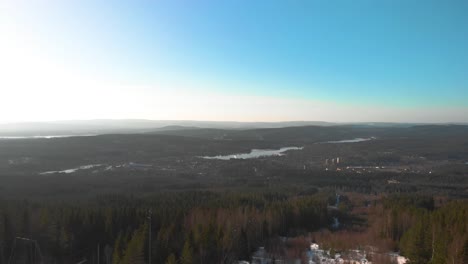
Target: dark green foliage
{"points": [[427, 234], [171, 259], [201, 227], [186, 257]]}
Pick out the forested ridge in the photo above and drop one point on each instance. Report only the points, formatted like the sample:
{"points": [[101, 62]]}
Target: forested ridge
{"points": [[191, 227], [218, 227]]}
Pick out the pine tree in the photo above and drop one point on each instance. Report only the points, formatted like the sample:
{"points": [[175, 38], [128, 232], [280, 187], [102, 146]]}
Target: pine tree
{"points": [[171, 259], [415, 244], [134, 253], [439, 245], [117, 255], [187, 253]]}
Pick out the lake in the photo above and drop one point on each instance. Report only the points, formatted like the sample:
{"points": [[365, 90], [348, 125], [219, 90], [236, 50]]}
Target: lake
{"points": [[354, 140], [255, 153], [68, 171], [46, 136]]}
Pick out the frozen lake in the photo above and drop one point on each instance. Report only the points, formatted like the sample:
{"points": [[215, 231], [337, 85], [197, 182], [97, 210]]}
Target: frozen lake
{"points": [[255, 153], [84, 167], [46, 136], [354, 140]]}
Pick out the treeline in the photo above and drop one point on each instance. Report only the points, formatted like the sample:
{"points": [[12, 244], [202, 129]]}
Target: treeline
{"points": [[425, 233], [185, 227]]}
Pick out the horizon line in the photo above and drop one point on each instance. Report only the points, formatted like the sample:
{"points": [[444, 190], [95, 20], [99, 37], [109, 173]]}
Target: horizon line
{"points": [[227, 121]]}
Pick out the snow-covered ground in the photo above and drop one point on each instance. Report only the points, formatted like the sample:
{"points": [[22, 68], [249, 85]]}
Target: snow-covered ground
{"points": [[316, 255]]}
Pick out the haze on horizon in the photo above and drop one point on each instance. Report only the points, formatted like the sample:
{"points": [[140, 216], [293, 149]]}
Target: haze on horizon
{"points": [[340, 61]]}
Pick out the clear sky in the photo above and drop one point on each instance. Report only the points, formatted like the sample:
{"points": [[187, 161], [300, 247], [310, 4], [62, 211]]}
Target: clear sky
{"points": [[238, 60]]}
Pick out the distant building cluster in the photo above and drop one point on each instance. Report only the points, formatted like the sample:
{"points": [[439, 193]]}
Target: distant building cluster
{"points": [[332, 161]]}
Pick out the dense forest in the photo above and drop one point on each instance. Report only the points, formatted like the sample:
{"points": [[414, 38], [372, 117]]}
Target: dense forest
{"points": [[426, 234], [191, 227], [425, 229], [221, 227]]}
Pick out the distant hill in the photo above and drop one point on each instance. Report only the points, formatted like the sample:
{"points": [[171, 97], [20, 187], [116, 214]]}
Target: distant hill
{"points": [[322, 133], [177, 128], [106, 126], [202, 129]]}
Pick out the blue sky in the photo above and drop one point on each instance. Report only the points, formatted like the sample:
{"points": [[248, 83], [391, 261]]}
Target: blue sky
{"points": [[399, 60]]}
